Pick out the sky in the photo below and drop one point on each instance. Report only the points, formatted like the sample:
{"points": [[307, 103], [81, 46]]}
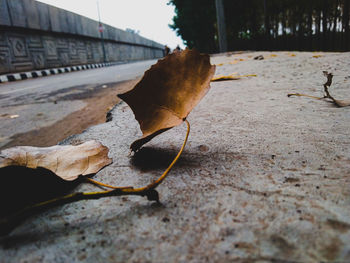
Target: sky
{"points": [[150, 17]]}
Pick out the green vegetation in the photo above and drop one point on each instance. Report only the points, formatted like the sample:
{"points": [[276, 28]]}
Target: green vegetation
{"points": [[265, 24]]}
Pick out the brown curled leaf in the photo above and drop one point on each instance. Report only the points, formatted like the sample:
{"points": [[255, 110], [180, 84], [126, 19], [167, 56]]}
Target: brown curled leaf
{"points": [[168, 92], [66, 161]]}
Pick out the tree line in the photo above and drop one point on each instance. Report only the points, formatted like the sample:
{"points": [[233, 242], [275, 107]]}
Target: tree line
{"points": [[265, 24]]}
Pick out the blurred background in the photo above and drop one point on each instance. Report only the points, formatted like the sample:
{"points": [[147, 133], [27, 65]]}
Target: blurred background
{"points": [[264, 24], [248, 25], [149, 19]]}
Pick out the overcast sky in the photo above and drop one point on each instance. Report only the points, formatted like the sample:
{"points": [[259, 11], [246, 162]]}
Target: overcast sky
{"points": [[150, 17]]}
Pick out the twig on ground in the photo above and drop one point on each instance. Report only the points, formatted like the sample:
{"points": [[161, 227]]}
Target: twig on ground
{"points": [[327, 95]]}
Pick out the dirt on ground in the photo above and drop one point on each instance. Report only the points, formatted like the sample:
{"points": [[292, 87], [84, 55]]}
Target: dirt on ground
{"points": [[98, 103]]}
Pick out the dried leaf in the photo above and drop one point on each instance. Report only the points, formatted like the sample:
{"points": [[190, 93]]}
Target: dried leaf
{"points": [[6, 115], [260, 57], [234, 62], [66, 161], [231, 77], [168, 91], [225, 77]]}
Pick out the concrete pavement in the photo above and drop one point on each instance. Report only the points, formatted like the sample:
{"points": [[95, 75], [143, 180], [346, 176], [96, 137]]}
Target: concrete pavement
{"points": [[264, 177]]}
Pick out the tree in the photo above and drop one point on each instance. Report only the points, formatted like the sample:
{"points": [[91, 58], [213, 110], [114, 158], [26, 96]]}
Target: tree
{"points": [[195, 22], [265, 24]]}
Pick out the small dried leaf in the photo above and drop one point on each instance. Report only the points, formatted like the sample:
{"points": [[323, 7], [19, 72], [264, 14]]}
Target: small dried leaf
{"points": [[260, 57], [224, 77], [234, 62], [6, 115], [66, 161], [231, 77], [168, 92]]}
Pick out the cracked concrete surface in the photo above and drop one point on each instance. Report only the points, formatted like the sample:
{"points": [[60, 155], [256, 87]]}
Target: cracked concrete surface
{"points": [[264, 177]]}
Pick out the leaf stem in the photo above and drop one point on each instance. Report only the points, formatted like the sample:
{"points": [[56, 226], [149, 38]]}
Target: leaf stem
{"points": [[106, 185], [164, 175], [154, 184]]}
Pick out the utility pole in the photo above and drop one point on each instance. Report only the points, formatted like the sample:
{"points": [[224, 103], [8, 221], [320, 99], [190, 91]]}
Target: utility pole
{"points": [[100, 29], [220, 17]]}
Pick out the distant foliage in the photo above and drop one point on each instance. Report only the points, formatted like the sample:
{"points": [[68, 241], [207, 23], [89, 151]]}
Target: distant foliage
{"points": [[195, 22], [265, 24]]}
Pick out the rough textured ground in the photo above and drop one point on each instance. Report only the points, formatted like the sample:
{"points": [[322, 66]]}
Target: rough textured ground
{"points": [[264, 177]]}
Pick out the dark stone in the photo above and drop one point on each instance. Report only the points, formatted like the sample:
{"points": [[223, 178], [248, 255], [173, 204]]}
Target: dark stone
{"points": [[23, 76], [11, 78]]}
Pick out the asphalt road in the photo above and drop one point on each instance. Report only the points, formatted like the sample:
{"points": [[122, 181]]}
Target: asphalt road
{"points": [[31, 104]]}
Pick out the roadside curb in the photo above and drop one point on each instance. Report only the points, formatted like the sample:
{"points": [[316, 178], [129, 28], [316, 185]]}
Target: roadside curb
{"points": [[53, 71]]}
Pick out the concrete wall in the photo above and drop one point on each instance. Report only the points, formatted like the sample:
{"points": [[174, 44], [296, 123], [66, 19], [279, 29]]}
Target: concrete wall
{"points": [[34, 35]]}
